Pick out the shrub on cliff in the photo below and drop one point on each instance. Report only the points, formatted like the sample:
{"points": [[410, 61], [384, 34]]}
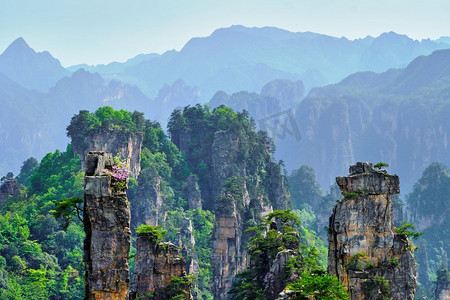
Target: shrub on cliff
{"points": [[301, 273], [105, 118], [155, 233]]}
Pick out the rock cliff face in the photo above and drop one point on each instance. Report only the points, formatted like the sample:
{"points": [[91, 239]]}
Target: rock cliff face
{"points": [[186, 242], [147, 202], [234, 209], [126, 145], [194, 194], [107, 227], [443, 285], [238, 178], [224, 152], [365, 252], [10, 187], [157, 265], [228, 252], [274, 284]]}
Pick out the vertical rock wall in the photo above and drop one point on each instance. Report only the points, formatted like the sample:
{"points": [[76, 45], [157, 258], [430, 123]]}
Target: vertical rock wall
{"points": [[193, 193], [364, 251], [156, 266], [146, 201], [235, 211], [106, 223], [10, 187], [186, 242], [442, 291], [126, 145], [228, 253]]}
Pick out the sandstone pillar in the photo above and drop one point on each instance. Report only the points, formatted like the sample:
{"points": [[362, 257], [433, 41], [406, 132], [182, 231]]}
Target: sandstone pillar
{"points": [[365, 252], [106, 223], [158, 264]]}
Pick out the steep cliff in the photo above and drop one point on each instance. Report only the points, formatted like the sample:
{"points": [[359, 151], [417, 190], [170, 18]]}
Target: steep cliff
{"points": [[428, 209], [118, 132], [237, 176], [160, 270], [228, 241], [126, 146], [9, 187], [194, 194], [146, 200], [365, 252], [107, 228], [442, 291], [186, 242]]}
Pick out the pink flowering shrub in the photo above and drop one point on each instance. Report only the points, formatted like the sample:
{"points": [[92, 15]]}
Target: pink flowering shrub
{"points": [[120, 174]]}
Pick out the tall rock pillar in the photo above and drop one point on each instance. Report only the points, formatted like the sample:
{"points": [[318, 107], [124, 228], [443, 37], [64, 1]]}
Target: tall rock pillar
{"points": [[365, 252], [160, 271], [106, 223]]}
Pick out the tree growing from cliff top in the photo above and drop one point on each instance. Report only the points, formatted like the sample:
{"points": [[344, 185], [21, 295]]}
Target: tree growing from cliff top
{"points": [[105, 118], [381, 165], [155, 233]]}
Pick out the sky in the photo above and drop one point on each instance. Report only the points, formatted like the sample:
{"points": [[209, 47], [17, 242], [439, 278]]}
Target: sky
{"points": [[102, 31]]}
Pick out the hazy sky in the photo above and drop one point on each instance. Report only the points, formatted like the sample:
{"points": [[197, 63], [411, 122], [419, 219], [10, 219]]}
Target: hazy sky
{"points": [[101, 31]]}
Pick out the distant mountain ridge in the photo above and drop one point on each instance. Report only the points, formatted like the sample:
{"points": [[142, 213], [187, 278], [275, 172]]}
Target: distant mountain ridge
{"points": [[241, 58], [400, 117], [38, 71], [34, 123]]}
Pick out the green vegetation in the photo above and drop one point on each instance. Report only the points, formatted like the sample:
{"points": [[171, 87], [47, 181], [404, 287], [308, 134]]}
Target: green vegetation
{"points": [[407, 229], [233, 188], [199, 125], [304, 188], [155, 233], [351, 195], [380, 286], [178, 288], [357, 262], [429, 201], [105, 118], [305, 275], [381, 165], [41, 256]]}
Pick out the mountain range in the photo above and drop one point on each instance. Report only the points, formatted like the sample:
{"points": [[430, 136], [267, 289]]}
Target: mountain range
{"points": [[263, 70], [38, 71], [241, 58]]}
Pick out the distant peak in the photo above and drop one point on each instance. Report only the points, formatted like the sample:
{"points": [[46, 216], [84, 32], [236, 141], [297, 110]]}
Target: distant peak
{"points": [[19, 43], [392, 34], [18, 46]]}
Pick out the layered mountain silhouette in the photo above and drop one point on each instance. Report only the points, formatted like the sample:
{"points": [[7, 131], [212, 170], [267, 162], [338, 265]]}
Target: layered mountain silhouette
{"points": [[240, 58], [367, 116], [38, 71], [400, 117], [34, 123]]}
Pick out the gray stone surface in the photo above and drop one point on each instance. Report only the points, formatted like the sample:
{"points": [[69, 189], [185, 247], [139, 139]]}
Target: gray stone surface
{"points": [[194, 193], [156, 265], [147, 206], [107, 228], [10, 187], [364, 249], [442, 291], [126, 146]]}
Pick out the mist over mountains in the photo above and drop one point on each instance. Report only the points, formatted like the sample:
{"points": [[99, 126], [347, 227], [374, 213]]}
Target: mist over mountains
{"points": [[240, 58], [37, 71], [367, 116]]}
